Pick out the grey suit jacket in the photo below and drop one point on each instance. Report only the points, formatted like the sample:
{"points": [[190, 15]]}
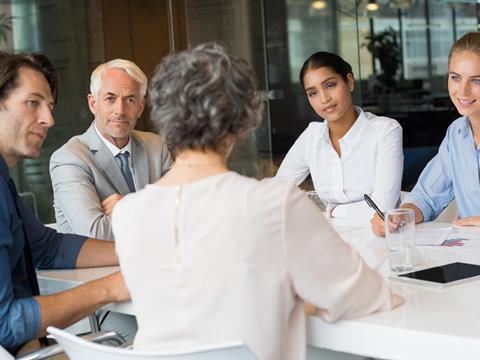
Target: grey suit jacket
{"points": [[84, 173]]}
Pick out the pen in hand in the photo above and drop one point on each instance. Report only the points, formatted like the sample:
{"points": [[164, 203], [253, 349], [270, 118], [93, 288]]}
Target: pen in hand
{"points": [[374, 206]]}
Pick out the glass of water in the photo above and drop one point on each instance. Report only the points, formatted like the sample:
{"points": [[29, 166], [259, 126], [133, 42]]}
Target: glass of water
{"points": [[400, 234]]}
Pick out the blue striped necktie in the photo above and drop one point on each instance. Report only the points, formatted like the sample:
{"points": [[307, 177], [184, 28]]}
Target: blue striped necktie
{"points": [[125, 169]]}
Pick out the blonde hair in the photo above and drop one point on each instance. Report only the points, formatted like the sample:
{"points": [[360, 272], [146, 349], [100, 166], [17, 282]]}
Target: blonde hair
{"points": [[468, 42], [128, 66]]}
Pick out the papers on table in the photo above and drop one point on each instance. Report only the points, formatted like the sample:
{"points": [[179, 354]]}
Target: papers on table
{"points": [[423, 237], [435, 236]]}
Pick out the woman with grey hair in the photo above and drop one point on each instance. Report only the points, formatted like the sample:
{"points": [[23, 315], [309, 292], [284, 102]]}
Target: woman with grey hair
{"points": [[211, 256]]}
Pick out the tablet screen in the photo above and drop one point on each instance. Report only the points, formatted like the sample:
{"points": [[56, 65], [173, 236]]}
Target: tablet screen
{"points": [[446, 273]]}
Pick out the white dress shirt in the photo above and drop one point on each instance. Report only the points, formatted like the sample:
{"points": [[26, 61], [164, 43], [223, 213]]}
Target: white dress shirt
{"points": [[115, 151], [371, 163], [246, 253]]}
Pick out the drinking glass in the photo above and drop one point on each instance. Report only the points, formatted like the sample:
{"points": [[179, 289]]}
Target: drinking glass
{"points": [[400, 234]]}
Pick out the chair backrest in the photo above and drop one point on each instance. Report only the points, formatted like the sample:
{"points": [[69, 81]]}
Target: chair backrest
{"points": [[79, 349], [5, 355]]}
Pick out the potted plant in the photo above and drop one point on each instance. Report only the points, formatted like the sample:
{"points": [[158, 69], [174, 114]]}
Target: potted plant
{"points": [[384, 47]]}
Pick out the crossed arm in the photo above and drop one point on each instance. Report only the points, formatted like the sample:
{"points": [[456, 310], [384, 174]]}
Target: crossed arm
{"points": [[77, 197]]}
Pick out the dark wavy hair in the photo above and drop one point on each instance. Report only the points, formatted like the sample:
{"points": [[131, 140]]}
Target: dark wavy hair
{"points": [[11, 63], [325, 59], [201, 96]]}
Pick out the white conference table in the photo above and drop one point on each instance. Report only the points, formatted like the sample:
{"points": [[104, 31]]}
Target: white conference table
{"points": [[53, 281], [432, 324]]}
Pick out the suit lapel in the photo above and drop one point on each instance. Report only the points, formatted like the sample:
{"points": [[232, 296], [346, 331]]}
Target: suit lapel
{"points": [[140, 163], [105, 162]]}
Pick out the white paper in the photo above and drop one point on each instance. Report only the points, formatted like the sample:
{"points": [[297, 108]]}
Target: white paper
{"points": [[423, 237], [435, 236]]}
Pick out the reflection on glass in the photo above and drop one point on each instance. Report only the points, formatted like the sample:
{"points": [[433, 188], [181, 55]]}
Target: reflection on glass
{"points": [[58, 29], [237, 25]]}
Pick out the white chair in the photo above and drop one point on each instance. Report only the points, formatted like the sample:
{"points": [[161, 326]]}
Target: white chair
{"points": [[79, 349], [56, 349], [5, 355]]}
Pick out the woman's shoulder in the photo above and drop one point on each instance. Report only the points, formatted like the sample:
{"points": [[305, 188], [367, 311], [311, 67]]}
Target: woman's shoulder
{"points": [[313, 131], [268, 189], [314, 126], [132, 202], [459, 124], [380, 121]]}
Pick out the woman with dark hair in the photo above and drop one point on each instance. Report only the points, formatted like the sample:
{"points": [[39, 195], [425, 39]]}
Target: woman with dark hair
{"points": [[350, 153], [209, 255]]}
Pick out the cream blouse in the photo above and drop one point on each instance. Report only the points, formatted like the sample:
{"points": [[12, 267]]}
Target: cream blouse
{"points": [[233, 261]]}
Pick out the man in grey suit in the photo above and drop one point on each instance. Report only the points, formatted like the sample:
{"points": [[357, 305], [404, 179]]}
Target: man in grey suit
{"points": [[92, 171]]}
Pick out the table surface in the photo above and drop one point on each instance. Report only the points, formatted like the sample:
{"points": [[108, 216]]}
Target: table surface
{"points": [[432, 324]]}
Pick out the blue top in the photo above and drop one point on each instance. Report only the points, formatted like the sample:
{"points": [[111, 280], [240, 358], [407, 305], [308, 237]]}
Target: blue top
{"points": [[20, 313], [452, 174]]}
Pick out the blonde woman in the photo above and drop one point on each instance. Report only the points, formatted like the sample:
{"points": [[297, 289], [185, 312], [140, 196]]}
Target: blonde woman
{"points": [[454, 172]]}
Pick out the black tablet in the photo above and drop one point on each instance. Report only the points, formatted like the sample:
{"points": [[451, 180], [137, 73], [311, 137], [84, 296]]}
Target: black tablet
{"points": [[443, 276]]}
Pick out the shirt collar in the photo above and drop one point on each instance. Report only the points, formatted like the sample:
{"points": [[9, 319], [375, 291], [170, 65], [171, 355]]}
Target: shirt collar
{"points": [[351, 134], [324, 136], [356, 128], [4, 171], [464, 129], [113, 149]]}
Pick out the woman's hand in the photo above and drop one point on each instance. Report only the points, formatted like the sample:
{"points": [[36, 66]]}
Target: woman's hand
{"points": [[378, 225], [467, 221]]}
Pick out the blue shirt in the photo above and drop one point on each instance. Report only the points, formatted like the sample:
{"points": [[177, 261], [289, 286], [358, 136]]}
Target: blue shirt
{"points": [[20, 313], [452, 174]]}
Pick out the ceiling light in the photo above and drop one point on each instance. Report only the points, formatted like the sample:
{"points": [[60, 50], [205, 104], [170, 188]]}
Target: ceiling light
{"points": [[372, 5], [319, 4]]}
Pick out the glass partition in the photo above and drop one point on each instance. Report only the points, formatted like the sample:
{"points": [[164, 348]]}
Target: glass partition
{"points": [[237, 25], [275, 36], [60, 30]]}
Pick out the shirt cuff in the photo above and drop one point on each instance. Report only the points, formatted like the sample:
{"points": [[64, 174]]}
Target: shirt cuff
{"points": [[24, 324], [69, 250], [32, 311], [420, 203]]}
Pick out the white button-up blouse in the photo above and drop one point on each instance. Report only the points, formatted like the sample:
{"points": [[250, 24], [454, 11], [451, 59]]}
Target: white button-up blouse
{"points": [[371, 163]]}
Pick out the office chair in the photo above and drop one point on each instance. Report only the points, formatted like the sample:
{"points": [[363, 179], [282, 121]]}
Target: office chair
{"points": [[80, 349], [47, 352], [5, 355]]}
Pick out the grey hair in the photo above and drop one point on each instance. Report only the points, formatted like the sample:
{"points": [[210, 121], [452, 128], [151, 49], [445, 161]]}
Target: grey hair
{"points": [[128, 66], [201, 96]]}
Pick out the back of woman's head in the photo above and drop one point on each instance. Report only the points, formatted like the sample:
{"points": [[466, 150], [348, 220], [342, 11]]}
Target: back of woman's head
{"points": [[201, 96], [468, 42], [325, 59]]}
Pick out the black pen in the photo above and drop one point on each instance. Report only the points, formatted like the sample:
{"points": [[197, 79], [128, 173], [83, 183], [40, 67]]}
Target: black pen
{"points": [[374, 206]]}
